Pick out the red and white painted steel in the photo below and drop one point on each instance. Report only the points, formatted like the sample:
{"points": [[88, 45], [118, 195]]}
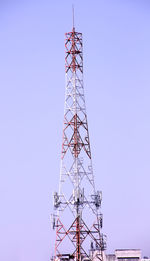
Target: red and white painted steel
{"points": [[77, 218]]}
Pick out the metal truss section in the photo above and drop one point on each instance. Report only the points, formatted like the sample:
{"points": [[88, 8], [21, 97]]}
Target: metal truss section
{"points": [[77, 218]]}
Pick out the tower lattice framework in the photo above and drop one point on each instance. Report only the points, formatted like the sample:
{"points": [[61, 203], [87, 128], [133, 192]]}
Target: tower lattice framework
{"points": [[77, 218]]}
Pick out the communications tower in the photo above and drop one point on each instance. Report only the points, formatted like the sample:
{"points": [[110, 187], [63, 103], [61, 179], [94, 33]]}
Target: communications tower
{"points": [[77, 218]]}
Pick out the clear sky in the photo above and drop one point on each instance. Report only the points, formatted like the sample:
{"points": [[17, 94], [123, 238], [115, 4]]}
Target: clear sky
{"points": [[116, 35]]}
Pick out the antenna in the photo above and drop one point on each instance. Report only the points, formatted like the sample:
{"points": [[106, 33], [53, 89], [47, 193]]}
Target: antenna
{"points": [[73, 15]]}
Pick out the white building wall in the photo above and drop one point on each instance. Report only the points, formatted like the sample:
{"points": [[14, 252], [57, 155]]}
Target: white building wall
{"points": [[128, 254], [120, 255]]}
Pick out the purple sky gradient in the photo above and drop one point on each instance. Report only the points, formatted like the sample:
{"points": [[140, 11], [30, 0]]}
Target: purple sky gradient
{"points": [[116, 37]]}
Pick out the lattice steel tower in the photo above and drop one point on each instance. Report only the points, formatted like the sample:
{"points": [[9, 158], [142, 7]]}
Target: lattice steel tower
{"points": [[77, 218]]}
